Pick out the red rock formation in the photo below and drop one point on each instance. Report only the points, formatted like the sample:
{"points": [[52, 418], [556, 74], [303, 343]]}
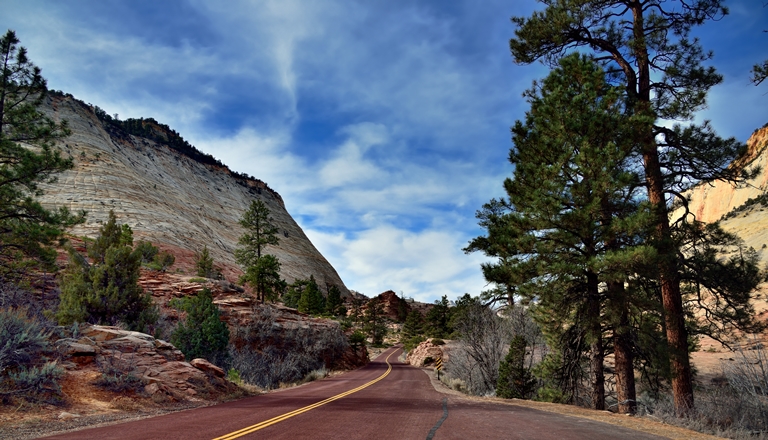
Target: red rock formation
{"points": [[424, 352], [159, 365]]}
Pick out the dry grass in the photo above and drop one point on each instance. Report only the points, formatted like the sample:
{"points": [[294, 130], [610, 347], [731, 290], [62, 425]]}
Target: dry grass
{"points": [[641, 424]]}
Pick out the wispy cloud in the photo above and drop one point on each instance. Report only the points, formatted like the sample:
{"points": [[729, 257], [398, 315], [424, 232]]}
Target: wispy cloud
{"points": [[384, 124]]}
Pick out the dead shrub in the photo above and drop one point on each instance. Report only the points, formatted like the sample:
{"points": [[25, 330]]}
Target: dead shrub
{"points": [[28, 370], [118, 375], [265, 354]]}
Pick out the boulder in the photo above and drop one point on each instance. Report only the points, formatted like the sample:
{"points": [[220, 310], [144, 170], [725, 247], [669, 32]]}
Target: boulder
{"points": [[207, 367], [424, 351]]}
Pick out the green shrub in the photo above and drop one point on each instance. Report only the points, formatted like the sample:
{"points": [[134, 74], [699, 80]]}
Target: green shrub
{"points": [[234, 376], [25, 369], [204, 264], [38, 384], [163, 261], [107, 291], [413, 342], [202, 334], [22, 340], [437, 341], [147, 251]]}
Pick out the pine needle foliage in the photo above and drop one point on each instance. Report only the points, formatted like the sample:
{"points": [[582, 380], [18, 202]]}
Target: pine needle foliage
{"points": [[107, 291], [28, 158], [262, 270], [202, 334], [515, 381]]}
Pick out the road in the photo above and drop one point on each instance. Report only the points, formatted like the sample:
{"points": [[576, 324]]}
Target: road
{"points": [[385, 400]]}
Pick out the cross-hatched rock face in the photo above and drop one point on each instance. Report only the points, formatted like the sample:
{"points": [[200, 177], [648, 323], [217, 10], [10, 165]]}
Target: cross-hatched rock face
{"points": [[168, 198], [731, 204]]}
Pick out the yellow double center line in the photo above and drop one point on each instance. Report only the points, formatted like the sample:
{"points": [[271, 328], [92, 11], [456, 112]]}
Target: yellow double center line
{"points": [[280, 418]]}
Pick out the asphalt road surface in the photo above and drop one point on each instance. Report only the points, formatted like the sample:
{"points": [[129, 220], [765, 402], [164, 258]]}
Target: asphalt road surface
{"points": [[385, 400]]}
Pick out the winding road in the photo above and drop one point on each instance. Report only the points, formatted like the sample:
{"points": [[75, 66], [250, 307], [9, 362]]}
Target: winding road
{"points": [[385, 400]]}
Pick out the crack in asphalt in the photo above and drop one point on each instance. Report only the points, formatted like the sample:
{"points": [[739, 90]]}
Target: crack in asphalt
{"points": [[439, 422]]}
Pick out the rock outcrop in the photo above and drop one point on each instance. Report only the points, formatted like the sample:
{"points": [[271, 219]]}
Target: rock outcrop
{"points": [[731, 203], [159, 366], [394, 306], [426, 353], [171, 199]]}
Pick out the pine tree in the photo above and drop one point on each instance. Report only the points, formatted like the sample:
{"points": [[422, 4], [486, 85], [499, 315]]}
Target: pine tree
{"points": [[515, 381], [204, 263], [560, 228], [334, 306], [111, 234], [293, 294], [438, 319], [645, 46], [311, 301], [374, 324], [27, 159], [202, 334], [107, 291], [413, 326], [262, 271]]}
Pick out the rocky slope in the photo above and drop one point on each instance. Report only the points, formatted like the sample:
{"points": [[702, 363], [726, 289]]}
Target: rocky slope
{"points": [[741, 208], [178, 203]]}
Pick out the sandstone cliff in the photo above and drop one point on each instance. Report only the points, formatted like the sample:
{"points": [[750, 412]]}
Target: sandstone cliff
{"points": [[171, 199], [740, 208]]}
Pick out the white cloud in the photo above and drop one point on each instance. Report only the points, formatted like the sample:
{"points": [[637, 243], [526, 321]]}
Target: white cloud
{"points": [[425, 265], [413, 108], [347, 164]]}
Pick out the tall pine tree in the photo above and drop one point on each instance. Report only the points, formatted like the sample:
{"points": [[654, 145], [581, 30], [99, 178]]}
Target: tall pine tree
{"points": [[28, 158], [262, 271], [558, 227], [646, 48]]}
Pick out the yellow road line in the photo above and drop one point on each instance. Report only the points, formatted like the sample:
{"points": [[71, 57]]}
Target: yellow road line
{"points": [[280, 418]]}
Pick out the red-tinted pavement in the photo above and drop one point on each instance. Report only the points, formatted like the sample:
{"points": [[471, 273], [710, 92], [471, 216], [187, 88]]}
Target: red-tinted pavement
{"points": [[402, 405]]}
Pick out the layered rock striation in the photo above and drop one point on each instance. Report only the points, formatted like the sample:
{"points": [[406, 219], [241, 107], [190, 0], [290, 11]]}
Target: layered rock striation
{"points": [[172, 199], [740, 208]]}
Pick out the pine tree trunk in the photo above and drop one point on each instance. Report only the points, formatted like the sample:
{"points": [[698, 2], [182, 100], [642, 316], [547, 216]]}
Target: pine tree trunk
{"points": [[596, 346], [672, 301], [622, 351]]}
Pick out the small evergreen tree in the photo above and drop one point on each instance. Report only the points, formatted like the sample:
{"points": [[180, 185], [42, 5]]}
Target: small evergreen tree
{"points": [[413, 326], [374, 324], [111, 234], [515, 381], [334, 306], [107, 291], [438, 319], [204, 263], [293, 294], [202, 334], [311, 301], [262, 271], [147, 251]]}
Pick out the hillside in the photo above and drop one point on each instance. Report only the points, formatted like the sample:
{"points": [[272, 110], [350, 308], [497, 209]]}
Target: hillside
{"points": [[741, 209], [169, 193]]}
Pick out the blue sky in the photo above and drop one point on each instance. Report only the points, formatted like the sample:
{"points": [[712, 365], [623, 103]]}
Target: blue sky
{"points": [[384, 124]]}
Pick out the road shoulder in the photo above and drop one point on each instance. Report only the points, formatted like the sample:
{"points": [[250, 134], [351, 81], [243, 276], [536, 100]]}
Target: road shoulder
{"points": [[641, 424]]}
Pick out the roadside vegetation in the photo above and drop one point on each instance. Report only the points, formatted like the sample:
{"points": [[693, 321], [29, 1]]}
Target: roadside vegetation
{"points": [[100, 284]]}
